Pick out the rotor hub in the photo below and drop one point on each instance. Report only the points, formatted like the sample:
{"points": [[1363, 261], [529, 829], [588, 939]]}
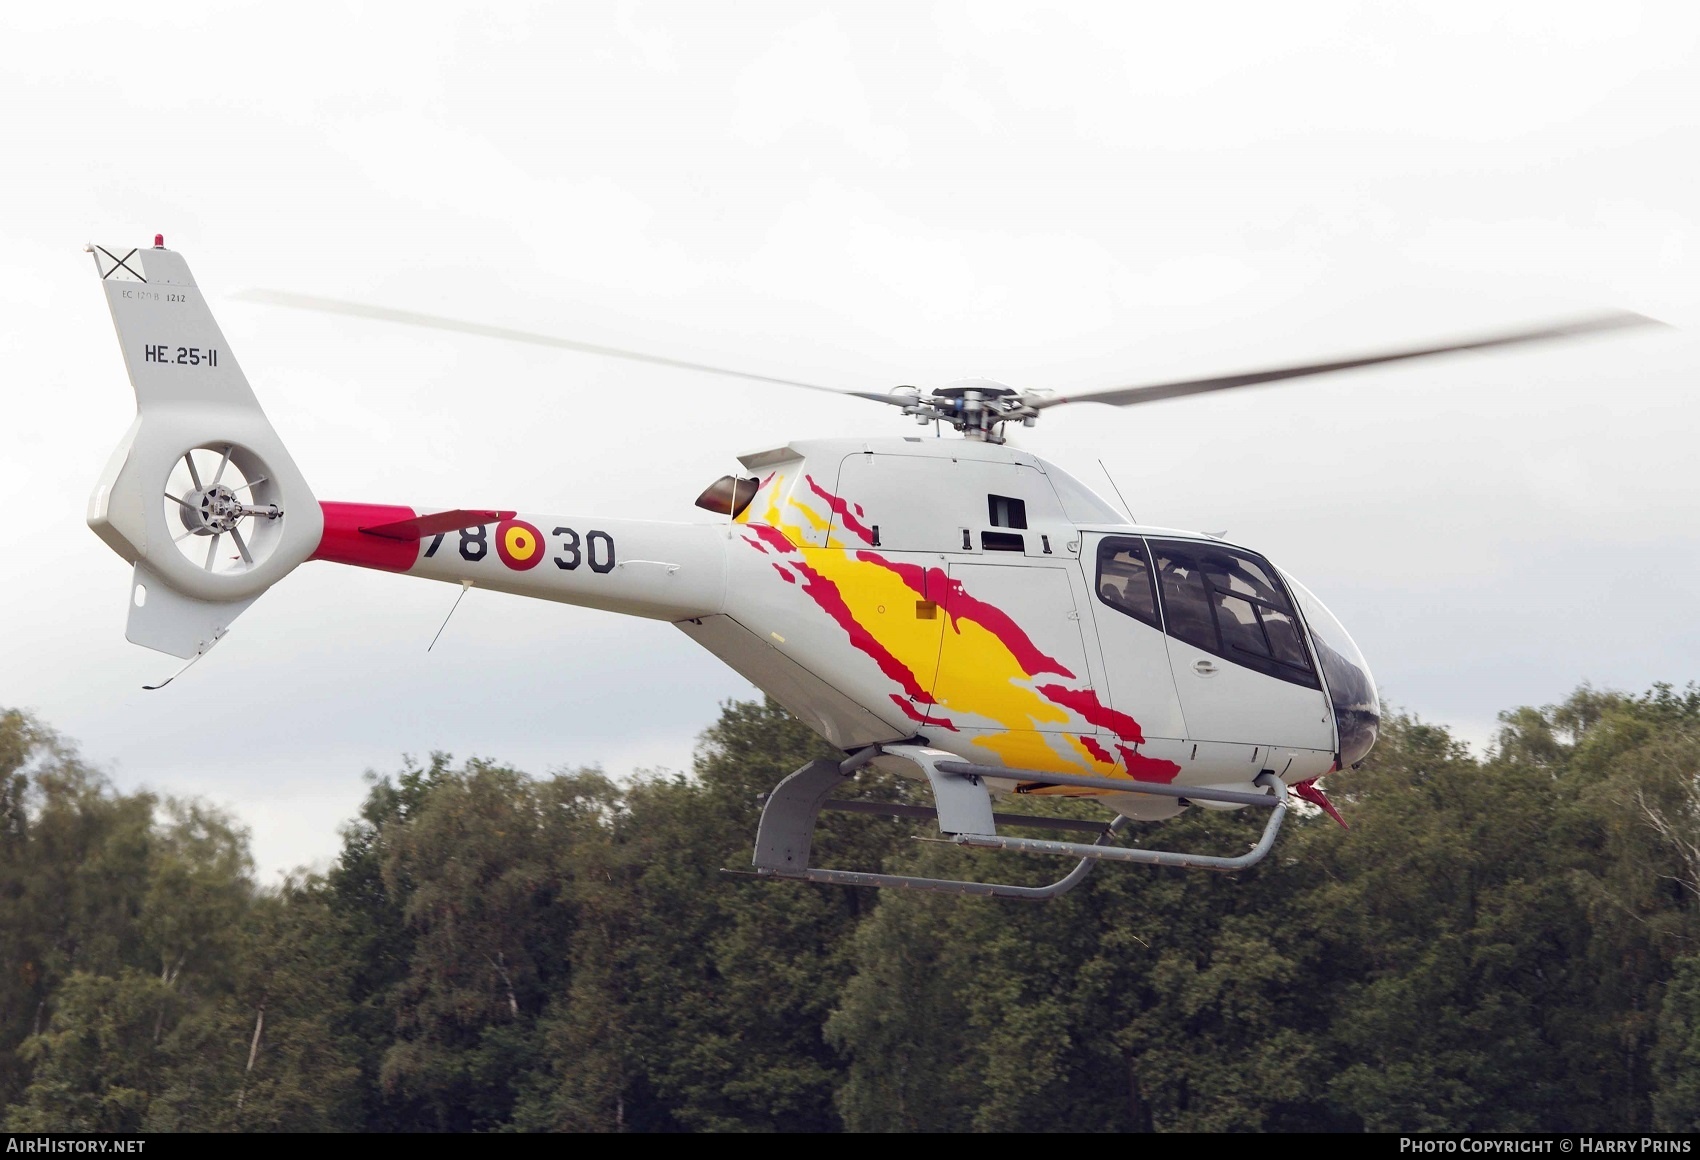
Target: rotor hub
{"points": [[211, 511], [976, 407]]}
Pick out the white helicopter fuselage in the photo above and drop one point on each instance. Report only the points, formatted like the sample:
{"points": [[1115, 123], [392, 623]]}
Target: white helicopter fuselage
{"points": [[963, 592]]}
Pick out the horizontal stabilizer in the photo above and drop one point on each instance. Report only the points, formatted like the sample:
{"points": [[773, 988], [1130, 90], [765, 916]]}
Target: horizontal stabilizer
{"points": [[437, 523]]}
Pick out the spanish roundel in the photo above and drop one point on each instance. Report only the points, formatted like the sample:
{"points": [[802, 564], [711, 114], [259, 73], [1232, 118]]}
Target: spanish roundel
{"points": [[519, 544]]}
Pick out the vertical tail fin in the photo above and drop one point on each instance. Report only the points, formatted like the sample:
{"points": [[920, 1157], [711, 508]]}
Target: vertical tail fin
{"points": [[200, 494]]}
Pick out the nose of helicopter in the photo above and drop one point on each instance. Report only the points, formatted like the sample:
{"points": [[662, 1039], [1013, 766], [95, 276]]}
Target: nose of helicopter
{"points": [[1351, 689]]}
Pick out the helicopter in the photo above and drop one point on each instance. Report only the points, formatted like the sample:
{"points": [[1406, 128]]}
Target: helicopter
{"points": [[955, 610]]}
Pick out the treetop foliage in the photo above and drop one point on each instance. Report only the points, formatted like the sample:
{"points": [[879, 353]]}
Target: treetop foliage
{"points": [[1503, 942]]}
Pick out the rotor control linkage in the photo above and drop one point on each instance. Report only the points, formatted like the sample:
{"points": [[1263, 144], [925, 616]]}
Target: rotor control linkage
{"points": [[964, 814], [216, 512], [216, 509]]}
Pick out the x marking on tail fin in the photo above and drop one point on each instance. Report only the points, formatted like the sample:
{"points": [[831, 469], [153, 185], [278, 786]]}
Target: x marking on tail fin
{"points": [[121, 264]]}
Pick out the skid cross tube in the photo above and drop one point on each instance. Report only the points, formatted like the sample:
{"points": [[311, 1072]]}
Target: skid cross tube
{"points": [[964, 813]]}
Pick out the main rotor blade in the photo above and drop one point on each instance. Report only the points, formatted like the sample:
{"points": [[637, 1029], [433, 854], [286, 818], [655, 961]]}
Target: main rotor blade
{"points": [[437, 322], [1151, 393]]}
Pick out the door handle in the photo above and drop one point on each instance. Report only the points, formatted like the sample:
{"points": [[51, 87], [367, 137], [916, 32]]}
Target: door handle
{"points": [[1204, 668]]}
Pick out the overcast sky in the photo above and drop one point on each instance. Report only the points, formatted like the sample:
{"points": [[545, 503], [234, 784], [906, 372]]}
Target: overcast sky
{"points": [[868, 194]]}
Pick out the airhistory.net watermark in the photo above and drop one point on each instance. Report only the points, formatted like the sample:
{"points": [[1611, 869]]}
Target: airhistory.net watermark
{"points": [[44, 1144]]}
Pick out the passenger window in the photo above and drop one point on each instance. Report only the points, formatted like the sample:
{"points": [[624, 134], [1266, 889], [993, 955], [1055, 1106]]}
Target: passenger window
{"points": [[1230, 604], [1124, 580]]}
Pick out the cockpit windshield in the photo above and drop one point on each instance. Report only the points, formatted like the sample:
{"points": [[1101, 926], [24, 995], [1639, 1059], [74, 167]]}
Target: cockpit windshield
{"points": [[1226, 601], [1357, 708]]}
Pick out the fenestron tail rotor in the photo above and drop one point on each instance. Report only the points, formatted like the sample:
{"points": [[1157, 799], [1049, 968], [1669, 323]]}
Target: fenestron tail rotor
{"points": [[211, 501]]}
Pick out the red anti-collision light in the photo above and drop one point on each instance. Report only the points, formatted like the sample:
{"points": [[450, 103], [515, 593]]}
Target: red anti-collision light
{"points": [[159, 241]]}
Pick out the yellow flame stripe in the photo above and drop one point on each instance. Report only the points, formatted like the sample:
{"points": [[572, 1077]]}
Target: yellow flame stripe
{"points": [[984, 679]]}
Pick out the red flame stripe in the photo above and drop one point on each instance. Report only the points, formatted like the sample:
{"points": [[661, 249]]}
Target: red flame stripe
{"points": [[826, 594], [841, 510], [935, 584], [1144, 768], [924, 718], [1097, 751], [1085, 702], [773, 536]]}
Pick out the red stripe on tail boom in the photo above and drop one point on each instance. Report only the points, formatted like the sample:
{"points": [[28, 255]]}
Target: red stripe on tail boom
{"points": [[344, 543]]}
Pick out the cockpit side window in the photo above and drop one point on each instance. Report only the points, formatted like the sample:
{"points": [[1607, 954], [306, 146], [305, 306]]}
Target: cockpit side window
{"points": [[1124, 579], [1231, 603]]}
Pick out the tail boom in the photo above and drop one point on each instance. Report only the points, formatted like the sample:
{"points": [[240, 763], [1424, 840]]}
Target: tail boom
{"points": [[653, 569]]}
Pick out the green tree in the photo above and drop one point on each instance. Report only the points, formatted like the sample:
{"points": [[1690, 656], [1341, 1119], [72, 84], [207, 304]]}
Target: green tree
{"points": [[709, 992], [474, 872], [1676, 1053], [273, 1053], [72, 856]]}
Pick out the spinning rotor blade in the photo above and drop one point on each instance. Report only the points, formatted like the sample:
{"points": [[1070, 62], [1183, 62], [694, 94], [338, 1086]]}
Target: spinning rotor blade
{"points": [[1151, 393], [436, 322]]}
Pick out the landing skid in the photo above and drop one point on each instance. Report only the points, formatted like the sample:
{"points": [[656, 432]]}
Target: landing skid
{"points": [[963, 809]]}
